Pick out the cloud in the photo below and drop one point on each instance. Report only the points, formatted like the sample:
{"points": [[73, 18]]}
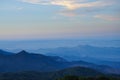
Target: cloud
{"points": [[68, 13], [107, 17], [72, 4], [73, 8], [12, 8], [19, 8]]}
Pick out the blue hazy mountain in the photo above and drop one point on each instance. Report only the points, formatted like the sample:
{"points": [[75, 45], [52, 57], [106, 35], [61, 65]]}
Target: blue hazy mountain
{"points": [[84, 52], [2, 52], [25, 61], [98, 55], [36, 44]]}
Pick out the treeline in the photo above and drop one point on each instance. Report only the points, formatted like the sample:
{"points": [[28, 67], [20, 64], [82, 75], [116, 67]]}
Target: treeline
{"points": [[61, 75], [89, 78], [44, 77]]}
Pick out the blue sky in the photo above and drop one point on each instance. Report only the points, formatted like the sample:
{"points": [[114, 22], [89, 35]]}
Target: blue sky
{"points": [[59, 19]]}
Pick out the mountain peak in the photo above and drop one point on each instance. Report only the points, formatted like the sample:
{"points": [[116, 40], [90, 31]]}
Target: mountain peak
{"points": [[23, 52]]}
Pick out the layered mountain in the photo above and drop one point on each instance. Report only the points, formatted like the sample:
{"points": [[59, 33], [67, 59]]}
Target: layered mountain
{"points": [[99, 55], [2, 52], [84, 52], [25, 61]]}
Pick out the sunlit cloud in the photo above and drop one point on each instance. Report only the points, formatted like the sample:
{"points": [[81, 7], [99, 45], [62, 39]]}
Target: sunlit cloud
{"points": [[71, 4], [70, 8]]}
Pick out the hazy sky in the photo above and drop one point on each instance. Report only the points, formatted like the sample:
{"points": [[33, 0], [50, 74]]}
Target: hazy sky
{"points": [[51, 19]]}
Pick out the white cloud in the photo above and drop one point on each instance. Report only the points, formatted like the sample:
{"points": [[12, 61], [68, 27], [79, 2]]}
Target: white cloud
{"points": [[68, 13], [107, 17], [71, 4], [71, 7]]}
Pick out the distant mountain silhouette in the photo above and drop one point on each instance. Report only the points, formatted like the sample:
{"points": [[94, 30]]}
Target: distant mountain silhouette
{"points": [[25, 61], [23, 52], [2, 52], [84, 52], [99, 55]]}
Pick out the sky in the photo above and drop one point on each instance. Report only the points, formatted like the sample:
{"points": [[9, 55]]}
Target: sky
{"points": [[59, 19]]}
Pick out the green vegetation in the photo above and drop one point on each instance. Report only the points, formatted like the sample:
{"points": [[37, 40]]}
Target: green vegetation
{"points": [[52, 76], [69, 78], [88, 78]]}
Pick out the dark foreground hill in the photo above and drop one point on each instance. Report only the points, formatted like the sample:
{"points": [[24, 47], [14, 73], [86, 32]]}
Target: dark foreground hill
{"points": [[72, 77], [69, 73], [78, 71]]}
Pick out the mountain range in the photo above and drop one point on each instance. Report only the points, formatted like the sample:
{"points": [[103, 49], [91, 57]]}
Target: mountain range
{"points": [[25, 61], [84, 51], [99, 55]]}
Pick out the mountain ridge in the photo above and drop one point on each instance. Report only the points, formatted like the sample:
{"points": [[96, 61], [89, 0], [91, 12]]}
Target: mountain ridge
{"points": [[25, 61]]}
